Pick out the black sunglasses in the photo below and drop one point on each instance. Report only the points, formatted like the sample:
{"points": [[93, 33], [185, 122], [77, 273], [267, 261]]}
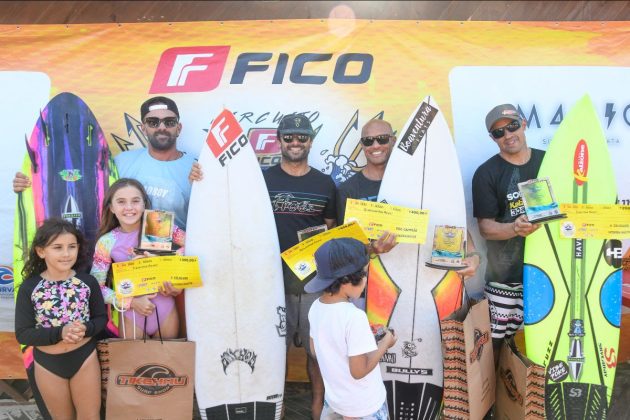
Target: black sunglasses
{"points": [[383, 139], [153, 122], [497, 133], [302, 138]]}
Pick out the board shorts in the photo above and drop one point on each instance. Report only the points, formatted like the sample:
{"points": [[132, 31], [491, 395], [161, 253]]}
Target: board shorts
{"points": [[298, 327], [506, 308], [329, 414]]}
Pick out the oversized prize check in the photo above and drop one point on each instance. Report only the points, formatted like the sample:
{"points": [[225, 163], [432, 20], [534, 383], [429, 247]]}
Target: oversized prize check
{"points": [[146, 275], [410, 225], [595, 221], [301, 257]]}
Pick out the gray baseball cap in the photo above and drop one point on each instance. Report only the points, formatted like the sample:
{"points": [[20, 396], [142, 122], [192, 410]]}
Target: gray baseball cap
{"points": [[508, 111]]}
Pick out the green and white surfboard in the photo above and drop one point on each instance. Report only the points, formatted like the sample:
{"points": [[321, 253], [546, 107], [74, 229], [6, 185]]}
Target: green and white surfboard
{"points": [[572, 287]]}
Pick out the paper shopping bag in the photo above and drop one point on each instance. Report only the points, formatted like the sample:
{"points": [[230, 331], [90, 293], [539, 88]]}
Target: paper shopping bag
{"points": [[520, 386], [469, 377], [148, 379]]}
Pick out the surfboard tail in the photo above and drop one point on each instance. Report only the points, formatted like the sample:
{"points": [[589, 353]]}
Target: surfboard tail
{"points": [[573, 401]]}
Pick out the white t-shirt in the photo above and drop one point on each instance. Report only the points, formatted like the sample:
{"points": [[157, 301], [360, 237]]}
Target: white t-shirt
{"points": [[340, 330]]}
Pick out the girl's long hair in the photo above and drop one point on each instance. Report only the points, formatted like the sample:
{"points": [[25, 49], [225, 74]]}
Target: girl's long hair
{"points": [[109, 220], [45, 235]]}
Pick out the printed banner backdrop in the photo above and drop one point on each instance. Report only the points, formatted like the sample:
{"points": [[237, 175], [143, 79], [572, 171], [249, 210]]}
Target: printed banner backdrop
{"points": [[340, 73]]}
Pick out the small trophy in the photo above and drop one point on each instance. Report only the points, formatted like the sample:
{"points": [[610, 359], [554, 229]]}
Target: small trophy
{"points": [[156, 235], [310, 231], [539, 201], [449, 243]]}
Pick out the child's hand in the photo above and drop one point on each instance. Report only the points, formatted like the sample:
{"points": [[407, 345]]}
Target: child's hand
{"points": [[390, 339], [145, 254], [168, 289], [73, 333], [143, 304]]}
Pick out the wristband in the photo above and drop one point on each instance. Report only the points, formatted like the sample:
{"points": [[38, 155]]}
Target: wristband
{"points": [[472, 254]]}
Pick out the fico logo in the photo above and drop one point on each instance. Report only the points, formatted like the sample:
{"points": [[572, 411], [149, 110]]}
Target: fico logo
{"points": [[189, 69], [264, 142], [580, 162], [199, 69], [225, 137]]}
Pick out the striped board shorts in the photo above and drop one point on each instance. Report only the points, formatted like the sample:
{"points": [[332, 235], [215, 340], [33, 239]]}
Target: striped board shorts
{"points": [[506, 308]]}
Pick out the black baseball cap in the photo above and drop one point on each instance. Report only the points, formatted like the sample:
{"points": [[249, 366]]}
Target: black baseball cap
{"points": [[295, 124], [335, 259], [158, 102]]}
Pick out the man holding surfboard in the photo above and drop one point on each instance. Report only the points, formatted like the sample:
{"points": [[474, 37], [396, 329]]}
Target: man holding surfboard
{"points": [[377, 142], [161, 168], [499, 210], [303, 202]]}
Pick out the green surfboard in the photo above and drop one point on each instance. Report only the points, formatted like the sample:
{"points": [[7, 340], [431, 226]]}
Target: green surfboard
{"points": [[572, 287]]}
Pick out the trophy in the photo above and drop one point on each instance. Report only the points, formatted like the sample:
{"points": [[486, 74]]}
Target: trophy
{"points": [[539, 201], [449, 244], [156, 234]]}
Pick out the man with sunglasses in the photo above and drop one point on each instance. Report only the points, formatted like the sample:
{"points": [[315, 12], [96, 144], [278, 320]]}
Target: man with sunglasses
{"points": [[499, 210], [377, 142], [160, 168], [303, 203]]}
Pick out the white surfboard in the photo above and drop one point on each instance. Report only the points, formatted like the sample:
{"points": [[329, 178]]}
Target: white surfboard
{"points": [[422, 172], [25, 94], [237, 318]]}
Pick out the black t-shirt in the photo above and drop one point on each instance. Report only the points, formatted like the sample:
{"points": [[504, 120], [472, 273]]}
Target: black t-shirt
{"points": [[357, 187], [496, 196], [298, 202]]}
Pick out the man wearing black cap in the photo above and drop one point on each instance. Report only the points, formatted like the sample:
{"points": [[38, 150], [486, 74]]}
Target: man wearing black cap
{"points": [[499, 210], [160, 168], [302, 199]]}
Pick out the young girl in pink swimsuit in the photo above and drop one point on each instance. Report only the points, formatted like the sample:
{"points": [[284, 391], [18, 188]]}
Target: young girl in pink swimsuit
{"points": [[118, 235]]}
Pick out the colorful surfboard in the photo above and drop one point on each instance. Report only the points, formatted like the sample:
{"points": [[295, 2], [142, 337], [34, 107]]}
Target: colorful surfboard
{"points": [[237, 318], [572, 287], [403, 293], [69, 164]]}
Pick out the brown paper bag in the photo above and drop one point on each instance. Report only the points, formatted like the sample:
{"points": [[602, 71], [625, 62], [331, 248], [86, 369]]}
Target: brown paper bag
{"points": [[520, 386], [148, 379], [469, 377]]}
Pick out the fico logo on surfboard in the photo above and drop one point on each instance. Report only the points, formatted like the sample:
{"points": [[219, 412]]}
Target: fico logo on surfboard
{"points": [[580, 163], [225, 137]]}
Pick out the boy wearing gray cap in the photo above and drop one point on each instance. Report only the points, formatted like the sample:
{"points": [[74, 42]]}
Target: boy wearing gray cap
{"points": [[340, 335]]}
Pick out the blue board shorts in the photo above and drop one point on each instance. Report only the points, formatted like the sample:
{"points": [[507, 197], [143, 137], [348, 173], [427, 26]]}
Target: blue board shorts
{"points": [[329, 414]]}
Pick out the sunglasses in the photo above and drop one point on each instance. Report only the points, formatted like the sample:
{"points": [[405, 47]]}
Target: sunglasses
{"points": [[383, 139], [169, 122], [511, 127], [302, 138]]}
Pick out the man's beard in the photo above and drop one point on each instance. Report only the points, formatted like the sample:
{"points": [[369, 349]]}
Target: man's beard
{"points": [[164, 144], [292, 158]]}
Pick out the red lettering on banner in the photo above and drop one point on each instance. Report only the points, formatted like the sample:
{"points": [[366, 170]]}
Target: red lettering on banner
{"points": [[189, 69]]}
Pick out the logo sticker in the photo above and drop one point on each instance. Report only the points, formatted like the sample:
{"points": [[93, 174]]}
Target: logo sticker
{"points": [[241, 355], [580, 163], [190, 69], [152, 379], [409, 371], [225, 137], [409, 349], [70, 175], [418, 128], [125, 287], [282, 326], [557, 371]]}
